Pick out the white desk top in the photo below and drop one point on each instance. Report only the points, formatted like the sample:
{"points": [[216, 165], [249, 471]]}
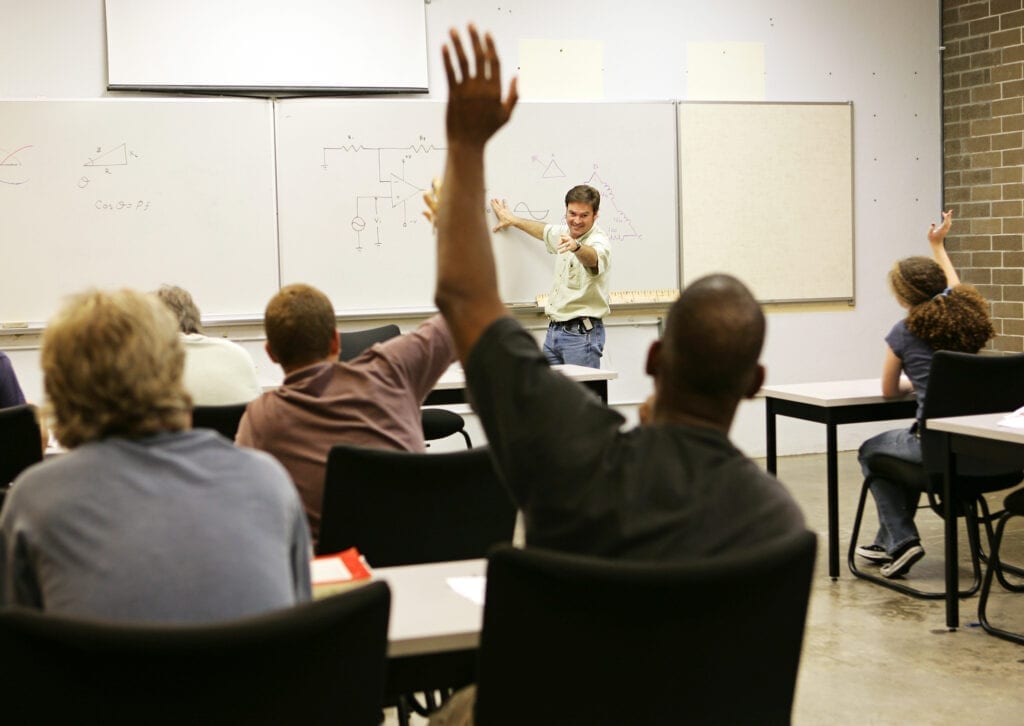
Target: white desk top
{"points": [[427, 615], [984, 425], [455, 377], [833, 393]]}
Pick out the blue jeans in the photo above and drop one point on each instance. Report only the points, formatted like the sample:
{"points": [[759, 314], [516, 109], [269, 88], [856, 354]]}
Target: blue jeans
{"points": [[896, 503], [571, 342]]}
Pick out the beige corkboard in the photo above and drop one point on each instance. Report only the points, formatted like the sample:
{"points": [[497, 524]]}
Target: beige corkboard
{"points": [[766, 193]]}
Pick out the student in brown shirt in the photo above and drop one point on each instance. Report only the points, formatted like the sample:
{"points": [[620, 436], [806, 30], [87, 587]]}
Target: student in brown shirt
{"points": [[373, 400]]}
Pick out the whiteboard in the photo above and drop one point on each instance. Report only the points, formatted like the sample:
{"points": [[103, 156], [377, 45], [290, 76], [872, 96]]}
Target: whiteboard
{"points": [[766, 193], [266, 45], [351, 175], [136, 193]]}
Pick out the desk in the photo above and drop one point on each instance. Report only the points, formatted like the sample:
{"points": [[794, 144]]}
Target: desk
{"points": [[433, 632], [976, 436], [451, 387], [831, 403]]}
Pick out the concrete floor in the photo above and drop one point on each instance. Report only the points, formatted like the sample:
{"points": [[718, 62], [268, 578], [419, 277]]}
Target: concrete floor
{"points": [[874, 656]]}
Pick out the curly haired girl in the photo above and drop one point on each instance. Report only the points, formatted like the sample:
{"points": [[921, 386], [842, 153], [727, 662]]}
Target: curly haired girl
{"points": [[942, 315]]}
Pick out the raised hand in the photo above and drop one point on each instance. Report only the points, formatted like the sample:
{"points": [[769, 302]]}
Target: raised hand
{"points": [[938, 233], [475, 108]]}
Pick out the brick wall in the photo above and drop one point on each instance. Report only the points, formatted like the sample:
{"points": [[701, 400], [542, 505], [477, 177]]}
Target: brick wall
{"points": [[983, 131]]}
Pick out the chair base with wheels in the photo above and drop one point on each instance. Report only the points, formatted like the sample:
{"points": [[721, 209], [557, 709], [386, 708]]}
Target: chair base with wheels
{"points": [[1013, 506], [972, 506]]}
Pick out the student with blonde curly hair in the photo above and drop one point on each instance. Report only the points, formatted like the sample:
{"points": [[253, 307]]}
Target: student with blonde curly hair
{"points": [[144, 519], [942, 315]]}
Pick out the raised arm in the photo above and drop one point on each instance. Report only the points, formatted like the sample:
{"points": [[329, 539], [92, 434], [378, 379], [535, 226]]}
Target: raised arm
{"points": [[507, 219], [937, 238], [467, 283]]}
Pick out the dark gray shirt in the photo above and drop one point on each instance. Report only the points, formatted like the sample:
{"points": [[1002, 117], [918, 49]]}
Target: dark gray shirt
{"points": [[654, 493], [175, 528], [916, 357]]}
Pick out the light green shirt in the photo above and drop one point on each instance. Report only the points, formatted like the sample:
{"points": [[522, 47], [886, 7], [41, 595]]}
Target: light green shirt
{"points": [[576, 291]]}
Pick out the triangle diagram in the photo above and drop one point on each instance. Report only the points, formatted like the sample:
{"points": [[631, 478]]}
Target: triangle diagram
{"points": [[118, 156], [402, 191], [553, 171]]}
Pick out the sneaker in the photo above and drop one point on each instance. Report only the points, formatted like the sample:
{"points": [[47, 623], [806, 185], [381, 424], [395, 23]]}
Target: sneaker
{"points": [[873, 552], [903, 560]]}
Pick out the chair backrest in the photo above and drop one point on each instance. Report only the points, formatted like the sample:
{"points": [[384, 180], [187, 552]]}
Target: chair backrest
{"points": [[354, 343], [318, 663], [223, 419], [569, 639], [400, 508], [20, 441], [962, 384]]}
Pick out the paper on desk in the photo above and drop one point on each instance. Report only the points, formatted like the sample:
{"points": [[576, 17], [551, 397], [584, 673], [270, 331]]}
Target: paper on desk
{"points": [[1014, 420], [471, 587]]}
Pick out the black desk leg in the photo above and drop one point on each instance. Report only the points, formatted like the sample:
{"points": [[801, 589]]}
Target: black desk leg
{"points": [[832, 455], [769, 427], [952, 575]]}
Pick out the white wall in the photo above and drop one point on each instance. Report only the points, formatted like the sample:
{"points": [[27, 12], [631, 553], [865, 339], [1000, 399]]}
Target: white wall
{"points": [[881, 55]]}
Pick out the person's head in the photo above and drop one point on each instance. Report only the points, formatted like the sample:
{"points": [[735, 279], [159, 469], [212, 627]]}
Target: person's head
{"points": [[112, 366], [707, 359], [300, 326], [181, 304], [946, 319], [915, 280], [581, 205]]}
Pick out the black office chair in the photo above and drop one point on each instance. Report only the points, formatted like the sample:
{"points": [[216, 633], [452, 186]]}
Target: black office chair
{"points": [[20, 443], [222, 419], [959, 384], [438, 423], [318, 663], [1013, 506], [569, 639], [400, 508], [355, 342]]}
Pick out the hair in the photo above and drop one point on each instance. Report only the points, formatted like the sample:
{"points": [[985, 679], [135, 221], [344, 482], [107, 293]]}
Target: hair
{"points": [[713, 338], [954, 319], [112, 366], [300, 325], [181, 304], [585, 194]]}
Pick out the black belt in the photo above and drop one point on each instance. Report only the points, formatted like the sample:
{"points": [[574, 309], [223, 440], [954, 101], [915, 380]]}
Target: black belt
{"points": [[582, 324]]}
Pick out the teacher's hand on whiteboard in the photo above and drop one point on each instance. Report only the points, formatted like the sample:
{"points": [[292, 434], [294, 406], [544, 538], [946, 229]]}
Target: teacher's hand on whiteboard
{"points": [[433, 200], [505, 217], [475, 107]]}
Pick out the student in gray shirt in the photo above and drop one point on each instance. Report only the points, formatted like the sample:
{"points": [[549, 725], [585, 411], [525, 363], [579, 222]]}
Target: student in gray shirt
{"points": [[144, 519]]}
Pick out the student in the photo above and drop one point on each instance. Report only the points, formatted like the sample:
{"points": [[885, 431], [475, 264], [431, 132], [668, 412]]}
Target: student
{"points": [[674, 488], [10, 390], [373, 400], [579, 293], [144, 519], [942, 315], [217, 371], [670, 489]]}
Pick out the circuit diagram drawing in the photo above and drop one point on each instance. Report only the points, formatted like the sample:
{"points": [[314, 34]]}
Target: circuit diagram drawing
{"points": [[12, 171], [392, 177]]}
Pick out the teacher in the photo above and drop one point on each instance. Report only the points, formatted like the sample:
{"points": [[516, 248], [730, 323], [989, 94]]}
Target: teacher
{"points": [[579, 292]]}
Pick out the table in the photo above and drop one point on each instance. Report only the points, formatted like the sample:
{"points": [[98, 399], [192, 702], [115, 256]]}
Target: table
{"points": [[451, 386], [433, 632], [976, 436], [831, 403]]}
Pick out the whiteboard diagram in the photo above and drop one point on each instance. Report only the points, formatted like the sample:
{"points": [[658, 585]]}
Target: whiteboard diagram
{"points": [[401, 178], [13, 171], [351, 174]]}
